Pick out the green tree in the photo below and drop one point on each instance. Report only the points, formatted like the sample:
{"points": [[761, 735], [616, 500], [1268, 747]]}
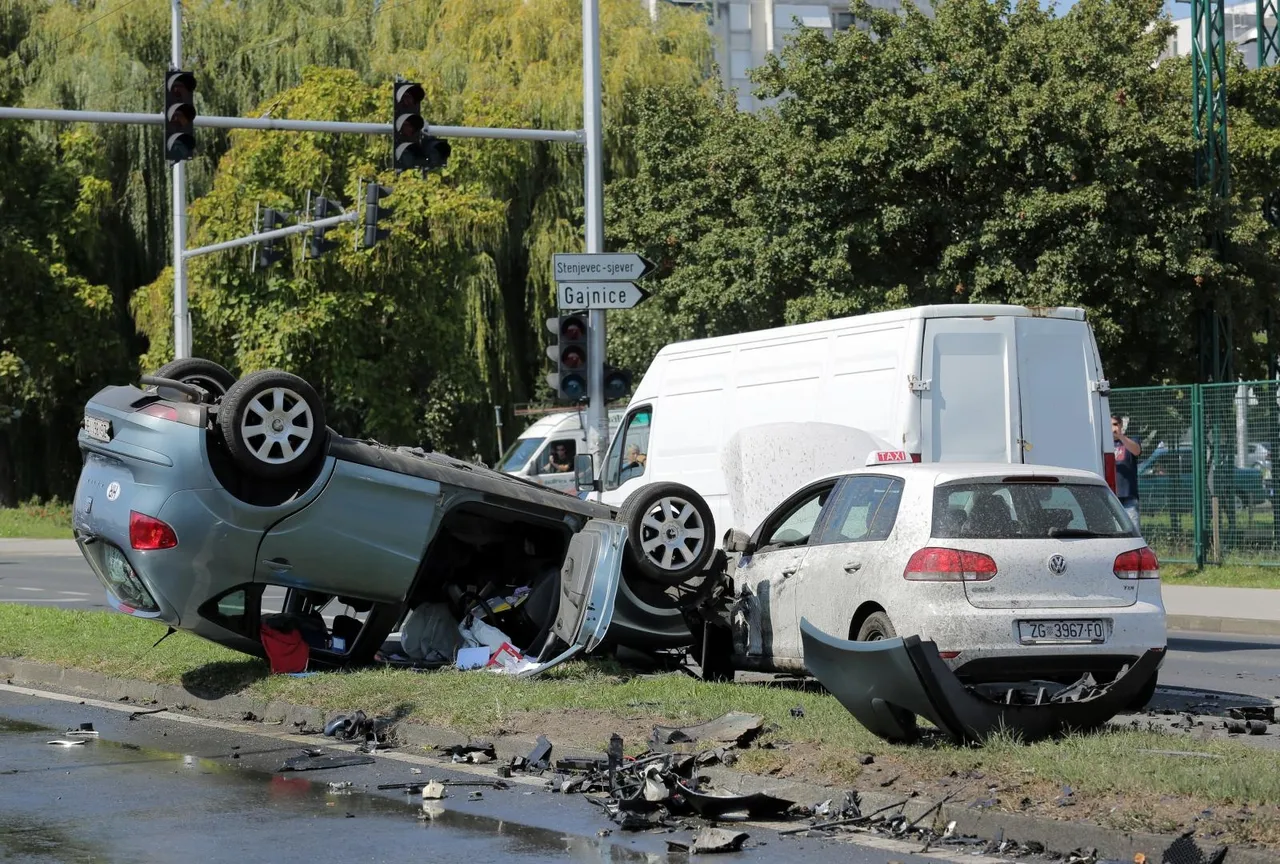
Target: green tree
{"points": [[990, 153]]}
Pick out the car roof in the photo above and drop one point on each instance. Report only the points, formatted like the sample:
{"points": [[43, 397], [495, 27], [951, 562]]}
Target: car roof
{"points": [[945, 472]]}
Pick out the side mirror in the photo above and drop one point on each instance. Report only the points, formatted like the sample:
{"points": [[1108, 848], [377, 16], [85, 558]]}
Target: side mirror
{"points": [[584, 472], [736, 540]]}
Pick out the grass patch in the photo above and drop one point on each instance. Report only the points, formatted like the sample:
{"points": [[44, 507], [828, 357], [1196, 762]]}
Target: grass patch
{"points": [[1225, 576], [35, 520], [581, 703]]}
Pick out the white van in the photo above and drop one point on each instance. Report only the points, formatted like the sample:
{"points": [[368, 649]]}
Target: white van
{"points": [[533, 455], [963, 382]]}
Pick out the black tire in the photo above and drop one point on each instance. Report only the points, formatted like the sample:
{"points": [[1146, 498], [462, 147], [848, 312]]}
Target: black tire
{"points": [[876, 627], [679, 514], [200, 372], [271, 398]]}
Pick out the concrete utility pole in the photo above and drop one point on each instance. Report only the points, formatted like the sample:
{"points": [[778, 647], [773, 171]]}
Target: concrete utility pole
{"points": [[181, 314], [593, 142]]}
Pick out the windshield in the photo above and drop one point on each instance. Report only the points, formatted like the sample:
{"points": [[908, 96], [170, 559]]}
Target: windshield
{"points": [[519, 454], [1028, 510]]}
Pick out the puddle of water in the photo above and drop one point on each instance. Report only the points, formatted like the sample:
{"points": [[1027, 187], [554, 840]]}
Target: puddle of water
{"points": [[20, 837], [20, 726]]}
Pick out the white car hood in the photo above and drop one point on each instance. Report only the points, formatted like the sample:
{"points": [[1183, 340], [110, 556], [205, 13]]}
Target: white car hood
{"points": [[764, 464]]}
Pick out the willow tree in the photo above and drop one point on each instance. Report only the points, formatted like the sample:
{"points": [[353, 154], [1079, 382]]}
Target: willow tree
{"points": [[482, 62]]}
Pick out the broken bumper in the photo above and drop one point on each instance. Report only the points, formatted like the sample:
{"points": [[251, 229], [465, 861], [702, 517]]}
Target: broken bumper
{"points": [[883, 684]]}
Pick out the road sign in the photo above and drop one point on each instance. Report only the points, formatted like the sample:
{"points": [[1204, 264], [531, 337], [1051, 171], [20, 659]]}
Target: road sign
{"points": [[599, 295], [600, 267]]}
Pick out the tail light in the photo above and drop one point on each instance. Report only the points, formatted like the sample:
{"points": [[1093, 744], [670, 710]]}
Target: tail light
{"points": [[161, 410], [934, 564], [915, 457], [1109, 469], [148, 532], [1137, 564]]}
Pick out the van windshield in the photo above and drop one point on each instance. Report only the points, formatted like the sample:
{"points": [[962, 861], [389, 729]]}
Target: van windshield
{"points": [[519, 454]]}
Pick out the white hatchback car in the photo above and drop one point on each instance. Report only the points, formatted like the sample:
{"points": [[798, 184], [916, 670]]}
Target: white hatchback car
{"points": [[1016, 572]]}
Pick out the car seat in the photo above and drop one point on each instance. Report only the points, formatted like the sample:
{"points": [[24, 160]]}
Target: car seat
{"points": [[990, 517]]}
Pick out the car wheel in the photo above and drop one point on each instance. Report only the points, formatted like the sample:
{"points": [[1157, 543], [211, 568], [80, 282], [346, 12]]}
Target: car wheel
{"points": [[876, 627], [669, 530], [273, 424], [200, 372]]}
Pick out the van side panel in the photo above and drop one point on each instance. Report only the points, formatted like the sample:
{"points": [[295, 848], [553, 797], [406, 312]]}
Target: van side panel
{"points": [[866, 384], [1061, 412], [689, 421], [970, 413]]}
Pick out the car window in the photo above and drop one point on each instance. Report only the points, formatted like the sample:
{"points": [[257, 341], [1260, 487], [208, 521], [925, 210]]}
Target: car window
{"points": [[794, 527], [557, 458], [519, 454], [630, 452], [1027, 510], [864, 511]]}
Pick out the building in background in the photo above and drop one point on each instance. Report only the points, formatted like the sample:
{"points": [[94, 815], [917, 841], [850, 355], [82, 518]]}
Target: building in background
{"points": [[747, 31], [1240, 25]]}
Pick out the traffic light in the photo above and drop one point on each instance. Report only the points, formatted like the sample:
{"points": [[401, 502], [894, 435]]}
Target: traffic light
{"points": [[411, 148], [617, 383], [408, 123], [318, 245], [374, 213], [179, 115], [268, 254], [570, 354]]}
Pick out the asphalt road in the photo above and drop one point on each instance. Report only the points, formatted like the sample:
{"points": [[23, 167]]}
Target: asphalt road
{"points": [[38, 573], [161, 790]]}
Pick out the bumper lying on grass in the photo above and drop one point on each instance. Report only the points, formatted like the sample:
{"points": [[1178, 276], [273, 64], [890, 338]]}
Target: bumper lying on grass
{"points": [[884, 684]]}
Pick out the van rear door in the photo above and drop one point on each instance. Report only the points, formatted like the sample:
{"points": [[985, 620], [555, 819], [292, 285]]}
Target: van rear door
{"points": [[970, 411], [1061, 411]]}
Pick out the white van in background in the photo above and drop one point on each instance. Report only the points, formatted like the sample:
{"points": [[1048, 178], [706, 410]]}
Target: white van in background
{"points": [[531, 455], [962, 382]]}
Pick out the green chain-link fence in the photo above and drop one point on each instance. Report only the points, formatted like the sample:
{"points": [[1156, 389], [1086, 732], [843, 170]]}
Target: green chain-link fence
{"points": [[1204, 476]]}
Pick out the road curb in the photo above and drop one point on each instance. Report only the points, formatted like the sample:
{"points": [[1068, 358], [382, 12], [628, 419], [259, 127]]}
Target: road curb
{"points": [[1056, 836], [1229, 626]]}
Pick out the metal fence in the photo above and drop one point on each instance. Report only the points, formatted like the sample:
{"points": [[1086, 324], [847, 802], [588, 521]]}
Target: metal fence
{"points": [[1204, 476]]}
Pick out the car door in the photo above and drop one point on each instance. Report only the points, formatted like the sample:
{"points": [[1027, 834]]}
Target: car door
{"points": [[589, 580], [764, 574], [844, 561]]}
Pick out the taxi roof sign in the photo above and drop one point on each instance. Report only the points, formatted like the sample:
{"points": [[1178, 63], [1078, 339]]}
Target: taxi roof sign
{"points": [[887, 457]]}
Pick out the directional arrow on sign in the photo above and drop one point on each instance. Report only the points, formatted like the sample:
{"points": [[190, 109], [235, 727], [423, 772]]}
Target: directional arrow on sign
{"points": [[600, 267], [599, 295]]}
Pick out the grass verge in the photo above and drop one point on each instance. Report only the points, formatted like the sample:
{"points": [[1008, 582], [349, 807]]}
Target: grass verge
{"points": [[1111, 781], [37, 521], [1224, 576]]}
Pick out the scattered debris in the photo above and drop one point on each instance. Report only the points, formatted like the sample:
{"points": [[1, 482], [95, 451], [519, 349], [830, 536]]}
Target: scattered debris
{"points": [[373, 733], [718, 840], [86, 729], [136, 714], [475, 796], [733, 728], [540, 757], [432, 791], [339, 785], [798, 712], [309, 762]]}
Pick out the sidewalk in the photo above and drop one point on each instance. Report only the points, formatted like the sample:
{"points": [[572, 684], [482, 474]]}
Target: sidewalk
{"points": [[1243, 611]]}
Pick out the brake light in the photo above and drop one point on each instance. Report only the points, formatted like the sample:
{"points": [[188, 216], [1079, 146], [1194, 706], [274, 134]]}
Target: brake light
{"points": [[161, 410], [1109, 468], [1137, 564], [915, 457], [935, 564], [148, 532]]}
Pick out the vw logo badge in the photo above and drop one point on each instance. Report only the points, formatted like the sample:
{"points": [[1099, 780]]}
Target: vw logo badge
{"points": [[113, 491], [1057, 565]]}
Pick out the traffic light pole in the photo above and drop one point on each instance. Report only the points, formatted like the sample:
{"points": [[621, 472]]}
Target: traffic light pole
{"points": [[181, 314], [593, 142], [250, 239]]}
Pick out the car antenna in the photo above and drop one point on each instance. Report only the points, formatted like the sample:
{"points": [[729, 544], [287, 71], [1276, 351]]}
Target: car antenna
{"points": [[165, 636]]}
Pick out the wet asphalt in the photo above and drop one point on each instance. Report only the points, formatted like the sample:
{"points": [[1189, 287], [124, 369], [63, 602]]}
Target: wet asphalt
{"points": [[156, 790]]}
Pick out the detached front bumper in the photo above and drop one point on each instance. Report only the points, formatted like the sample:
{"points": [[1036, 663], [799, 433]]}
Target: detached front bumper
{"points": [[883, 684]]}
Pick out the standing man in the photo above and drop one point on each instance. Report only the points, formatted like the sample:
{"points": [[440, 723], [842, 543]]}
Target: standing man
{"points": [[1127, 453]]}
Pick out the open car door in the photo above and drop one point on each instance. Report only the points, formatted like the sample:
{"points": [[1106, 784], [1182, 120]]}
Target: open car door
{"points": [[589, 581]]}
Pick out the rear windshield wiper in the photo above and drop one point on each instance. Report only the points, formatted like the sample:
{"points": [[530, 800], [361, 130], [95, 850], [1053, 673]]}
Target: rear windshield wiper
{"points": [[1076, 532]]}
